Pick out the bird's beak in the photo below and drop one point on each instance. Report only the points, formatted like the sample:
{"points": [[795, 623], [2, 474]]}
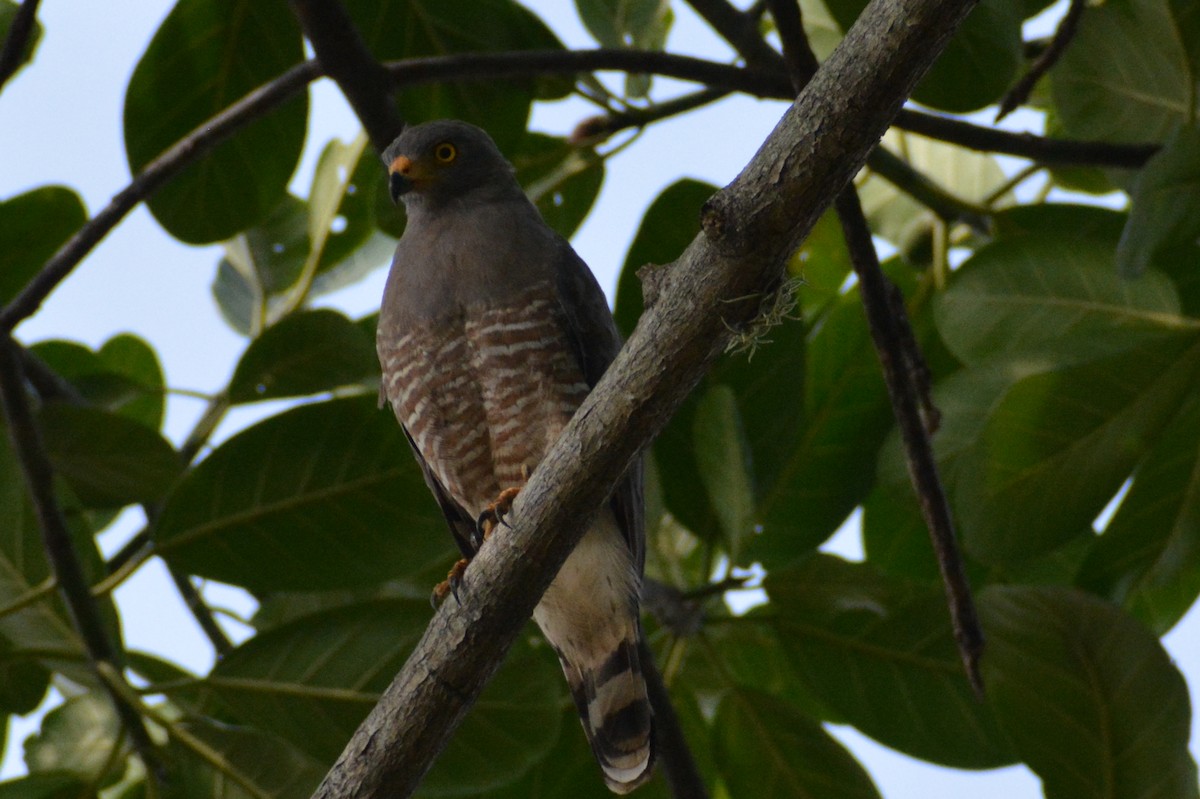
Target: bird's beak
{"points": [[403, 176]]}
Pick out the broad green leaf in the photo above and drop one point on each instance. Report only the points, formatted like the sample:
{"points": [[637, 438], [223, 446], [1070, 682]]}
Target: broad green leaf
{"points": [[219, 50], [82, 737], [41, 629], [977, 65], [124, 376], [23, 681], [845, 415], [1074, 432], [8, 10], [765, 748], [1148, 558], [1087, 696], [667, 228], [1166, 204], [342, 202], [1185, 18], [822, 264], [107, 459], [249, 759], [313, 680], [305, 353], [879, 652], [398, 29], [561, 179], [970, 176], [1046, 298], [326, 495], [722, 459], [638, 24], [1125, 78], [32, 226], [46, 786], [260, 263]]}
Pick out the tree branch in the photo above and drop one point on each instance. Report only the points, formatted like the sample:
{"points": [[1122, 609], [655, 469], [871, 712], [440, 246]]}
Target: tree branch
{"points": [[740, 29], [345, 58], [1019, 93], [72, 584], [15, 44], [748, 231]]}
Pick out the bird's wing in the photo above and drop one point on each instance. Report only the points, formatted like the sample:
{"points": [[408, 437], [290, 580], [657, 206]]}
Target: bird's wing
{"points": [[595, 342], [462, 525]]}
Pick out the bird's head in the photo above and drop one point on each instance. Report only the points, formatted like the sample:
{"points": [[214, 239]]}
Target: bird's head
{"points": [[445, 160]]}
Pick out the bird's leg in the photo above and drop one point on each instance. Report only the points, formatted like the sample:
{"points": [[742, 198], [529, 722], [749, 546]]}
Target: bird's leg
{"points": [[450, 585], [493, 515]]}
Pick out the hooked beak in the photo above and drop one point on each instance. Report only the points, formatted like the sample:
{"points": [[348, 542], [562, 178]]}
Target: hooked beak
{"points": [[402, 177]]}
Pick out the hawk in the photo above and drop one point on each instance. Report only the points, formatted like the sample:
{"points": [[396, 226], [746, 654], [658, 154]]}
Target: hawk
{"points": [[491, 332]]}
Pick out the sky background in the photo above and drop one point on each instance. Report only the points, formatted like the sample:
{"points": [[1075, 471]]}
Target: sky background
{"points": [[60, 123]]}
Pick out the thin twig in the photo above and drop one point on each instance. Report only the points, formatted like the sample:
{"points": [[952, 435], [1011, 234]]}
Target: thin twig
{"points": [[915, 184], [201, 612], [740, 29], [1065, 32], [19, 32], [903, 382], [345, 58], [596, 129], [72, 584]]}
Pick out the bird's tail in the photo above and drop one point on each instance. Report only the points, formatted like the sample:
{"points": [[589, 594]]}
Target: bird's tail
{"points": [[611, 697]]}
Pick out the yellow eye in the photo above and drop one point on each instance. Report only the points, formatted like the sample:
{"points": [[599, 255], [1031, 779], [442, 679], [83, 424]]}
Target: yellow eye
{"points": [[445, 152]]}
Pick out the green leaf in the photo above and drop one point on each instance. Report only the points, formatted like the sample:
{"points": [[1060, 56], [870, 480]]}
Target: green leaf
{"points": [[219, 50], [765, 748], [822, 264], [33, 226], [970, 176], [1166, 204], [124, 377], [46, 786], [721, 459], [248, 758], [667, 228], [326, 495], [1125, 78], [107, 459], [1185, 16], [977, 65], [312, 681], [23, 681], [1073, 432], [81, 736], [261, 263], [8, 11], [305, 353], [1046, 298], [398, 29], [1148, 558], [980, 62], [637, 24], [1112, 715], [880, 654], [342, 202], [846, 415], [560, 178]]}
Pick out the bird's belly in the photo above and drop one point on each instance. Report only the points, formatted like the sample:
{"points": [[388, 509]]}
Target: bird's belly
{"points": [[485, 394]]}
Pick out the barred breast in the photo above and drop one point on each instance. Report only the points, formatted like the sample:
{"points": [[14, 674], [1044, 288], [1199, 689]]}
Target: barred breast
{"points": [[484, 393]]}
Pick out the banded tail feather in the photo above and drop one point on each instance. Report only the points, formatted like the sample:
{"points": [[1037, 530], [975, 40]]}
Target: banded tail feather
{"points": [[611, 698]]}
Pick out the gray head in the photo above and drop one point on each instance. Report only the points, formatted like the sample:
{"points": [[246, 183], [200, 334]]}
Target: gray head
{"points": [[438, 162]]}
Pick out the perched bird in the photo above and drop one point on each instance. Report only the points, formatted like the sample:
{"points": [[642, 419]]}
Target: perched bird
{"points": [[491, 333]]}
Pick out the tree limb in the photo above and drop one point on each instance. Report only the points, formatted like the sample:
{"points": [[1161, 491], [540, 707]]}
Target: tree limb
{"points": [[1067, 26], [345, 58], [748, 230], [60, 551]]}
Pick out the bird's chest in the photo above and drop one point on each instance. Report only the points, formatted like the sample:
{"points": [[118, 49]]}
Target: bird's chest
{"points": [[484, 394]]}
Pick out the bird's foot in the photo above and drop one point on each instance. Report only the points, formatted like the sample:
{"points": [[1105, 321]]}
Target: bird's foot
{"points": [[450, 585], [493, 515]]}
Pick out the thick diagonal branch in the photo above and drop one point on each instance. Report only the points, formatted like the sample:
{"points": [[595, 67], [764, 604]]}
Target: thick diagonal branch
{"points": [[749, 229]]}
